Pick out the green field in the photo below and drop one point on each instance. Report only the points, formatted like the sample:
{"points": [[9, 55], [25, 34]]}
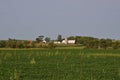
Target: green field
{"points": [[59, 64]]}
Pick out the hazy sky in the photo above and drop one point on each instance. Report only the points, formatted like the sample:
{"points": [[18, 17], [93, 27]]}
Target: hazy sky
{"points": [[27, 19]]}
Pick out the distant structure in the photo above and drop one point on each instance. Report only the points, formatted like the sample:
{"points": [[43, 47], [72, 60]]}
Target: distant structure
{"points": [[57, 42], [44, 41], [66, 41], [30, 41], [71, 41]]}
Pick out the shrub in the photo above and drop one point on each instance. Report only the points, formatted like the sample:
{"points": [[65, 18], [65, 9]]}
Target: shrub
{"points": [[51, 45]]}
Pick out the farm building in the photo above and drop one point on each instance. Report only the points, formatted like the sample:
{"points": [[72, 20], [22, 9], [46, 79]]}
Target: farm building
{"points": [[57, 42], [71, 41], [66, 41]]}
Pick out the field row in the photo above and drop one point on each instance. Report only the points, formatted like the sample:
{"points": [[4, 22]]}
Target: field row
{"points": [[59, 64]]}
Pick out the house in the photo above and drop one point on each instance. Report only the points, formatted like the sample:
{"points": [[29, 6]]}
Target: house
{"points": [[44, 41], [66, 41], [57, 42], [71, 41]]}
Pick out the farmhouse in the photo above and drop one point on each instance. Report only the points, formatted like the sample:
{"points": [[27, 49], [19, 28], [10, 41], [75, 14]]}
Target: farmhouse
{"points": [[44, 41], [57, 42], [66, 41], [71, 41]]}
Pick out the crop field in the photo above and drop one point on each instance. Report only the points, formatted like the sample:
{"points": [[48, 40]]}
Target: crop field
{"points": [[59, 64]]}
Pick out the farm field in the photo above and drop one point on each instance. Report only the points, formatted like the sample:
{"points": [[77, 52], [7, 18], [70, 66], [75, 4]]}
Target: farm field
{"points": [[59, 64]]}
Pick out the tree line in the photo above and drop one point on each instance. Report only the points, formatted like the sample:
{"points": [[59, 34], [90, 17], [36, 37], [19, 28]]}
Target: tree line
{"points": [[91, 42], [80, 41], [14, 43]]}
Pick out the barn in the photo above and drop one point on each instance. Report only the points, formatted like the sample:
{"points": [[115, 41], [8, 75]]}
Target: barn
{"points": [[66, 41]]}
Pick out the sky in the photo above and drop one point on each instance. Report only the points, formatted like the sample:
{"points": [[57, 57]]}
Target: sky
{"points": [[28, 19]]}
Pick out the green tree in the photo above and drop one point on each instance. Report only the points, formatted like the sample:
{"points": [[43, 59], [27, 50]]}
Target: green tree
{"points": [[79, 40], [11, 43], [40, 38], [71, 38], [47, 39], [103, 43], [116, 45], [108, 42], [51, 45], [92, 44], [59, 38], [2, 44], [20, 44]]}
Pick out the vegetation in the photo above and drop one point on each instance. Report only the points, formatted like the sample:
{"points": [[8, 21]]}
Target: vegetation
{"points": [[88, 59], [40, 38], [81, 41], [59, 38], [59, 64]]}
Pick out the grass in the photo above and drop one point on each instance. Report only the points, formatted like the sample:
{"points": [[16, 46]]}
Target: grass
{"points": [[59, 64]]}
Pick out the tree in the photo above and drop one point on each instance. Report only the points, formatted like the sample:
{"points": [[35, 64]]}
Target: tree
{"points": [[78, 40], [2, 44], [71, 38], [51, 45], [20, 44], [116, 45], [11, 43], [40, 38], [103, 43], [92, 44], [47, 39], [108, 42], [59, 38]]}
